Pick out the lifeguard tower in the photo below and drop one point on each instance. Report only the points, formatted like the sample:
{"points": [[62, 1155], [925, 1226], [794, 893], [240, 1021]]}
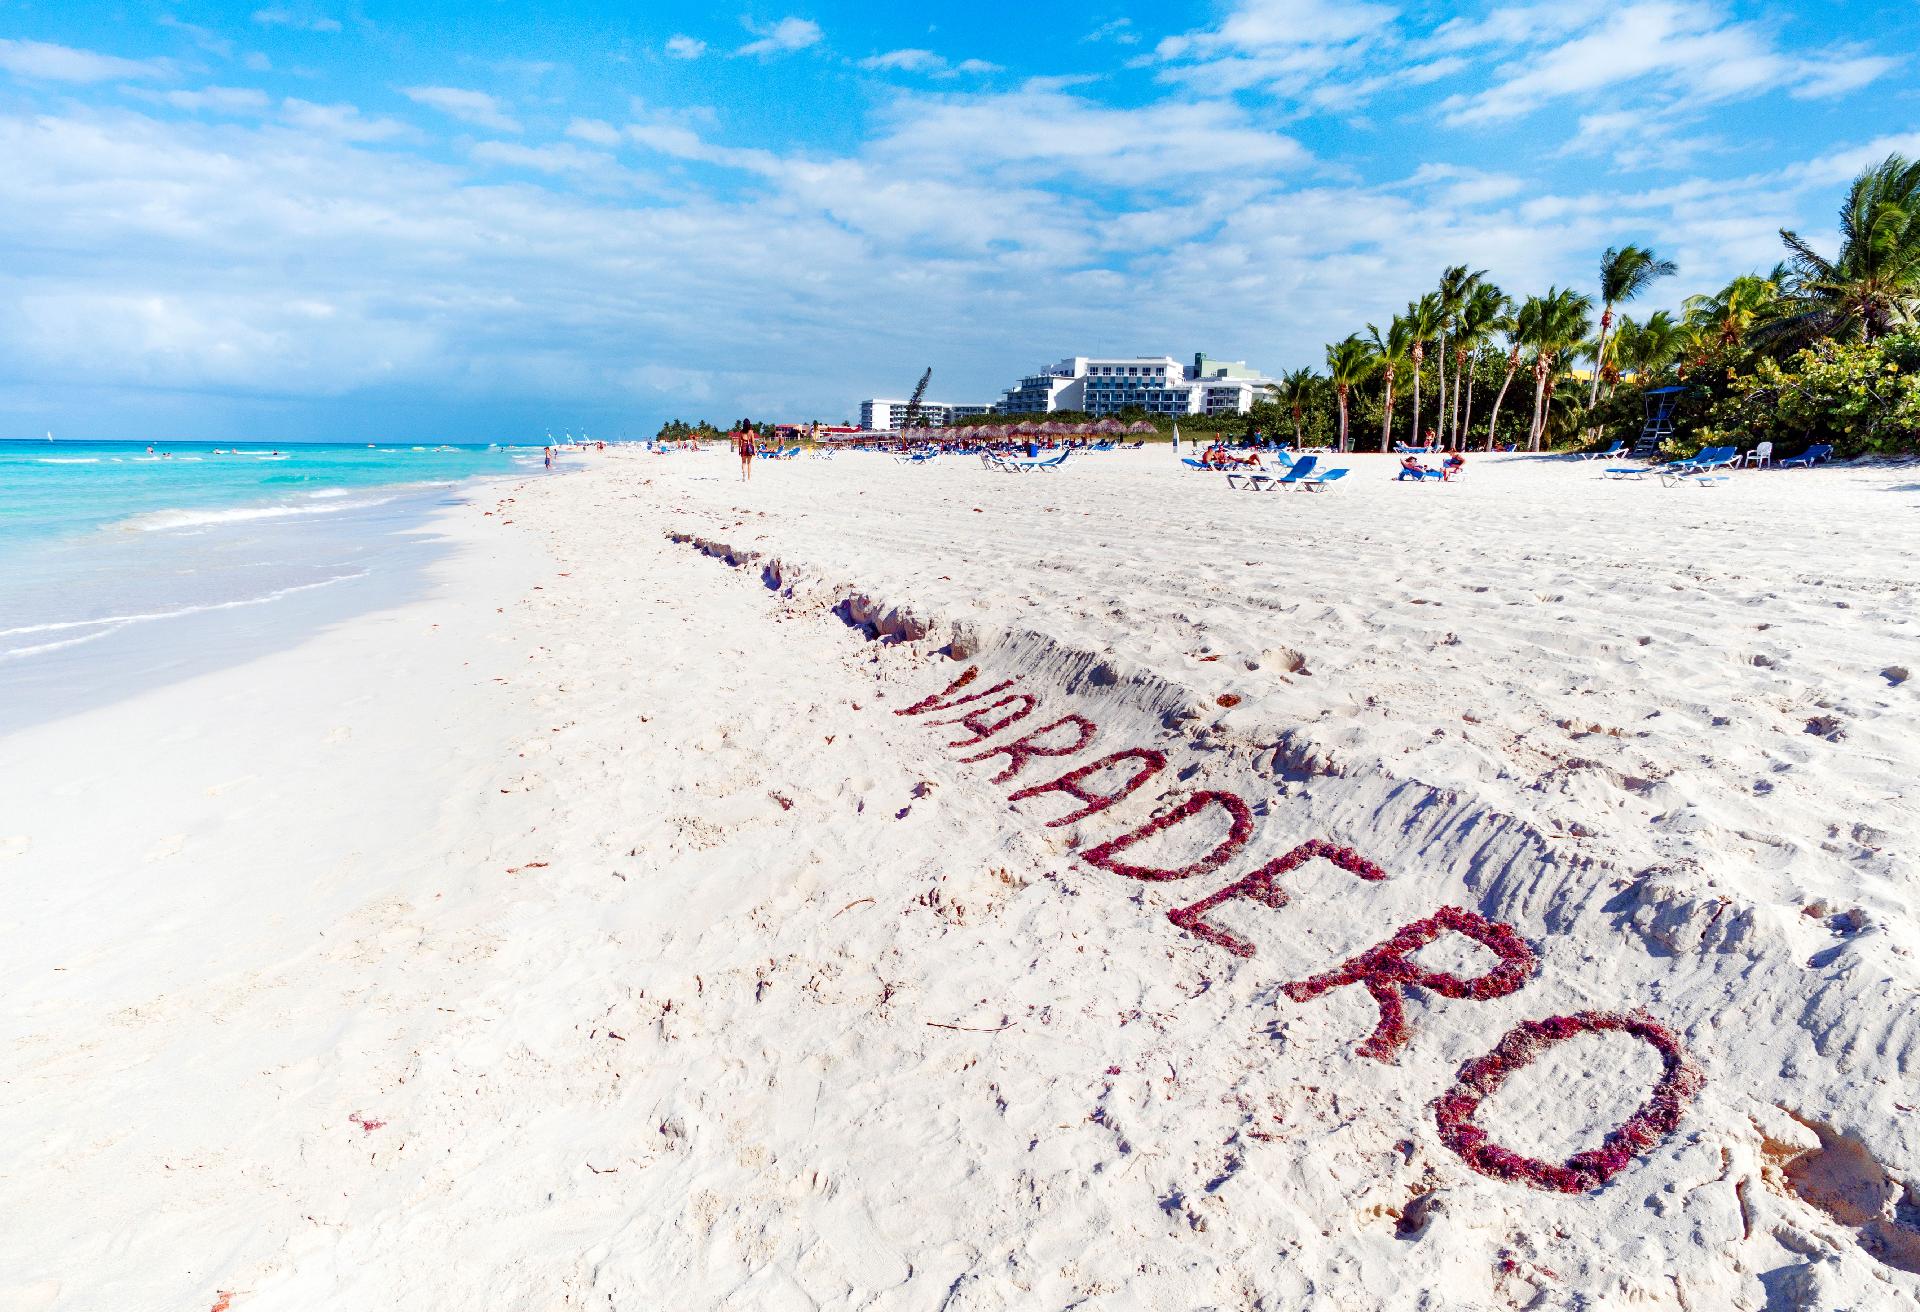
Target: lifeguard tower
{"points": [[1660, 404]]}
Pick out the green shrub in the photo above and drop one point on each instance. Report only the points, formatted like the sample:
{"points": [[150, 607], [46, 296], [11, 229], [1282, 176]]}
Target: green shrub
{"points": [[1862, 398]]}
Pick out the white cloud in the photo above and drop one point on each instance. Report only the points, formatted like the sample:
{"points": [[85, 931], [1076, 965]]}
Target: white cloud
{"points": [[219, 100], [781, 38], [41, 61], [1670, 49], [596, 131], [1042, 130], [925, 61], [279, 17], [1513, 25], [1287, 48], [908, 61], [1639, 138], [556, 158], [1827, 77], [1119, 31], [475, 107], [206, 38], [686, 47], [342, 122], [680, 142]]}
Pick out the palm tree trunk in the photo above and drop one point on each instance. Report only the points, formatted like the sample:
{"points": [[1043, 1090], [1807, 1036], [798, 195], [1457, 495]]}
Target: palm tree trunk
{"points": [[1440, 372], [1493, 421], [1341, 393], [1540, 368], [1460, 367], [1471, 366], [1600, 355], [1419, 355], [1386, 419]]}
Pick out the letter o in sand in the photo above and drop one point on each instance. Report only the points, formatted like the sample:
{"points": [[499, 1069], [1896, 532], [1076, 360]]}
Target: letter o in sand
{"points": [[1478, 1080]]}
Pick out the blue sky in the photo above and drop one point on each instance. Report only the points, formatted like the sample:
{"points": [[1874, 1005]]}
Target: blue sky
{"points": [[310, 219]]}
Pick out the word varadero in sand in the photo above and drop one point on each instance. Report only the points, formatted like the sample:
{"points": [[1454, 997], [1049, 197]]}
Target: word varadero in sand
{"points": [[1386, 971]]}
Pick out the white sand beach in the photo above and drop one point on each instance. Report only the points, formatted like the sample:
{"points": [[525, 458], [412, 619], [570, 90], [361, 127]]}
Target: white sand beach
{"points": [[597, 933]]}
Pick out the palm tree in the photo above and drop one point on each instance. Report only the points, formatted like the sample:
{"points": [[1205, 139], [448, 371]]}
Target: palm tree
{"points": [[1552, 325], [1390, 353], [1423, 319], [1873, 285], [1625, 272], [1640, 349], [1511, 329], [1736, 308], [1348, 362], [1296, 386], [1483, 314], [1457, 286]]}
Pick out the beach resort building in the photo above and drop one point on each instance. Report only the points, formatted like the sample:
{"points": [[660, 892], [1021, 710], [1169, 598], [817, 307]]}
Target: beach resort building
{"points": [[879, 415], [1158, 384]]}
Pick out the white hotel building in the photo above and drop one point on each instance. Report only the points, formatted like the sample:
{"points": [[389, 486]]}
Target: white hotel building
{"points": [[885, 416], [1158, 384]]}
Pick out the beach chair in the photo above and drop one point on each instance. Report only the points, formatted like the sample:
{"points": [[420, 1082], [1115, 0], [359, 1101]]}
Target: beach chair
{"points": [[1758, 458], [1259, 480], [1302, 470], [1807, 459], [1617, 448], [1708, 460], [1319, 482], [1700, 467], [1633, 472], [1201, 465], [1051, 462]]}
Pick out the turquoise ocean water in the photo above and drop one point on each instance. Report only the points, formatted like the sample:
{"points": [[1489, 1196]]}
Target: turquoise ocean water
{"points": [[122, 566]]}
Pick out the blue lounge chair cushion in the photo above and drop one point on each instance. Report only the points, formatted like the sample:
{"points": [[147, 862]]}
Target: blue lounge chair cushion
{"points": [[1301, 471]]}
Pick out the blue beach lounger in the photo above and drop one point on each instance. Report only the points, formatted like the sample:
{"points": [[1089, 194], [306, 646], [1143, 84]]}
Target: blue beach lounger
{"points": [[1051, 462], [1812, 456], [1301, 471], [1608, 454], [1320, 481], [1260, 480]]}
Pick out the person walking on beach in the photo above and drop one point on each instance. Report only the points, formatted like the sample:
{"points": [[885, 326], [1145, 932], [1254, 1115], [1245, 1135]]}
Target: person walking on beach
{"points": [[746, 455], [549, 456]]}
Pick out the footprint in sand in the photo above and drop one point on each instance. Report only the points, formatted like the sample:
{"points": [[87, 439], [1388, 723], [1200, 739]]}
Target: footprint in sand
{"points": [[167, 848], [12, 845]]}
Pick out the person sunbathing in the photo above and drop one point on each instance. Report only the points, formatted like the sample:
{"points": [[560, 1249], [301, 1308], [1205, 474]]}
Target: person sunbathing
{"points": [[1219, 457], [1453, 464], [1410, 467]]}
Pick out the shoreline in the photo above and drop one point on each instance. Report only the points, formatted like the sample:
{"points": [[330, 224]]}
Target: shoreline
{"points": [[64, 666], [628, 938]]}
